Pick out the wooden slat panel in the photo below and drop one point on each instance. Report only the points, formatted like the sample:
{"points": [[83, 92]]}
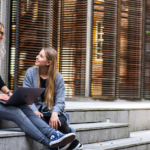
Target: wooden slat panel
{"points": [[130, 49], [34, 32], [73, 46], [147, 52], [104, 49], [62, 25]]}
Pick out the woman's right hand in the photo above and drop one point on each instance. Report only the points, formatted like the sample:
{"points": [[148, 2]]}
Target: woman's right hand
{"points": [[4, 97], [38, 113]]}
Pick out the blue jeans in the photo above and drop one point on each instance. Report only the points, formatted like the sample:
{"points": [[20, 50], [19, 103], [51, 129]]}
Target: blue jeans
{"points": [[28, 121]]}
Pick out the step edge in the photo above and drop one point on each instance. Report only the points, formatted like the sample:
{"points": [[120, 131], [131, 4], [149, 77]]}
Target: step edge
{"points": [[99, 127], [100, 109], [137, 143], [12, 134]]}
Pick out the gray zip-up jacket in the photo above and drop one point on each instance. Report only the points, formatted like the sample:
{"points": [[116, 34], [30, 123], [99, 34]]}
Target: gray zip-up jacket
{"points": [[30, 80]]}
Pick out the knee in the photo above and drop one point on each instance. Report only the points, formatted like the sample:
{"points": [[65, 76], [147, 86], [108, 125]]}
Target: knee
{"points": [[24, 108], [17, 113]]}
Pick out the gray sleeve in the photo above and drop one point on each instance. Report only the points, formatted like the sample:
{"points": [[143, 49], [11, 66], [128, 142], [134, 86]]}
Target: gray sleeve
{"points": [[27, 79], [28, 83], [59, 103]]}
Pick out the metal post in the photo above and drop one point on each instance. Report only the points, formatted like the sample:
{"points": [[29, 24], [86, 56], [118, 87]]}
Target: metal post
{"points": [[8, 40], [88, 48]]}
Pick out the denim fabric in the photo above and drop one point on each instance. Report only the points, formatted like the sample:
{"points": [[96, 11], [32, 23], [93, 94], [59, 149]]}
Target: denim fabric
{"points": [[28, 121]]}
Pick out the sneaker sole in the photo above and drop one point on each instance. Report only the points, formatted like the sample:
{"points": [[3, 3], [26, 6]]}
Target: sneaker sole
{"points": [[68, 138]]}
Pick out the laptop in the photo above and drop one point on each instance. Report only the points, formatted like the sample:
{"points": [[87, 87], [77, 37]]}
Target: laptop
{"points": [[24, 95]]}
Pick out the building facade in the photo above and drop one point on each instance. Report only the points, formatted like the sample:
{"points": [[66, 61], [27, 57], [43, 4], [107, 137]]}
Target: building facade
{"points": [[103, 45]]}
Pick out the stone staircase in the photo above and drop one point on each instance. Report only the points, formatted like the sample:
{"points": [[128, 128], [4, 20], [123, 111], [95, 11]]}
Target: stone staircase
{"points": [[99, 125], [139, 140], [100, 131]]}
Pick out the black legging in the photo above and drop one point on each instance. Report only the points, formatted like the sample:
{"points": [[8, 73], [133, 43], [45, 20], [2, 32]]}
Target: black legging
{"points": [[64, 128]]}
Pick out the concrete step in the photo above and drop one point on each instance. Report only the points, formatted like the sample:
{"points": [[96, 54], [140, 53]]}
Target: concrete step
{"points": [[15, 139], [139, 140], [134, 113], [86, 133], [93, 132]]}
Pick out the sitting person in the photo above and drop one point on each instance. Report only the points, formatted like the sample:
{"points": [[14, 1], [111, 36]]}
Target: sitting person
{"points": [[27, 120], [50, 106]]}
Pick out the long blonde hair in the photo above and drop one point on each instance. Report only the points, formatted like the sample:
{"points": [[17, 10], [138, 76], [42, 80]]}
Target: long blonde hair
{"points": [[51, 55]]}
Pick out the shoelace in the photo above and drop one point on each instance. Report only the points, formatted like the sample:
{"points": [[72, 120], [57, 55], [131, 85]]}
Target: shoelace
{"points": [[58, 133]]}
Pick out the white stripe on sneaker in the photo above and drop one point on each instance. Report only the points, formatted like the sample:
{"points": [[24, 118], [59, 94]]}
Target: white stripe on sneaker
{"points": [[78, 147]]}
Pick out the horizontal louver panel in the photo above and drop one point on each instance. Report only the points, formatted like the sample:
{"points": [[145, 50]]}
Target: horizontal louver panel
{"points": [[73, 46], [32, 20], [130, 49], [62, 25], [104, 49], [147, 52]]}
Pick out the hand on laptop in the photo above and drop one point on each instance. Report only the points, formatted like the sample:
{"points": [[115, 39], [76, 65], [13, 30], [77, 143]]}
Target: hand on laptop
{"points": [[38, 114], [4, 97]]}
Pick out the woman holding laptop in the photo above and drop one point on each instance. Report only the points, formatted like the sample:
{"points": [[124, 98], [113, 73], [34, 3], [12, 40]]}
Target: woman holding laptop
{"points": [[27, 120], [50, 106]]}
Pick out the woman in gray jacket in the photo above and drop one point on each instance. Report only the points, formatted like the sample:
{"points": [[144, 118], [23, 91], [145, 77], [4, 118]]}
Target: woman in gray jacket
{"points": [[27, 120], [50, 106]]}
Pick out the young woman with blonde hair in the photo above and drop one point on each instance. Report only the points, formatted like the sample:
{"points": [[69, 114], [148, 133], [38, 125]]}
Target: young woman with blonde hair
{"points": [[50, 106]]}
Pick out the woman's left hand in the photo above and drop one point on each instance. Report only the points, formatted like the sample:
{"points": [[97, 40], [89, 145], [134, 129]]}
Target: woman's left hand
{"points": [[54, 120]]}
